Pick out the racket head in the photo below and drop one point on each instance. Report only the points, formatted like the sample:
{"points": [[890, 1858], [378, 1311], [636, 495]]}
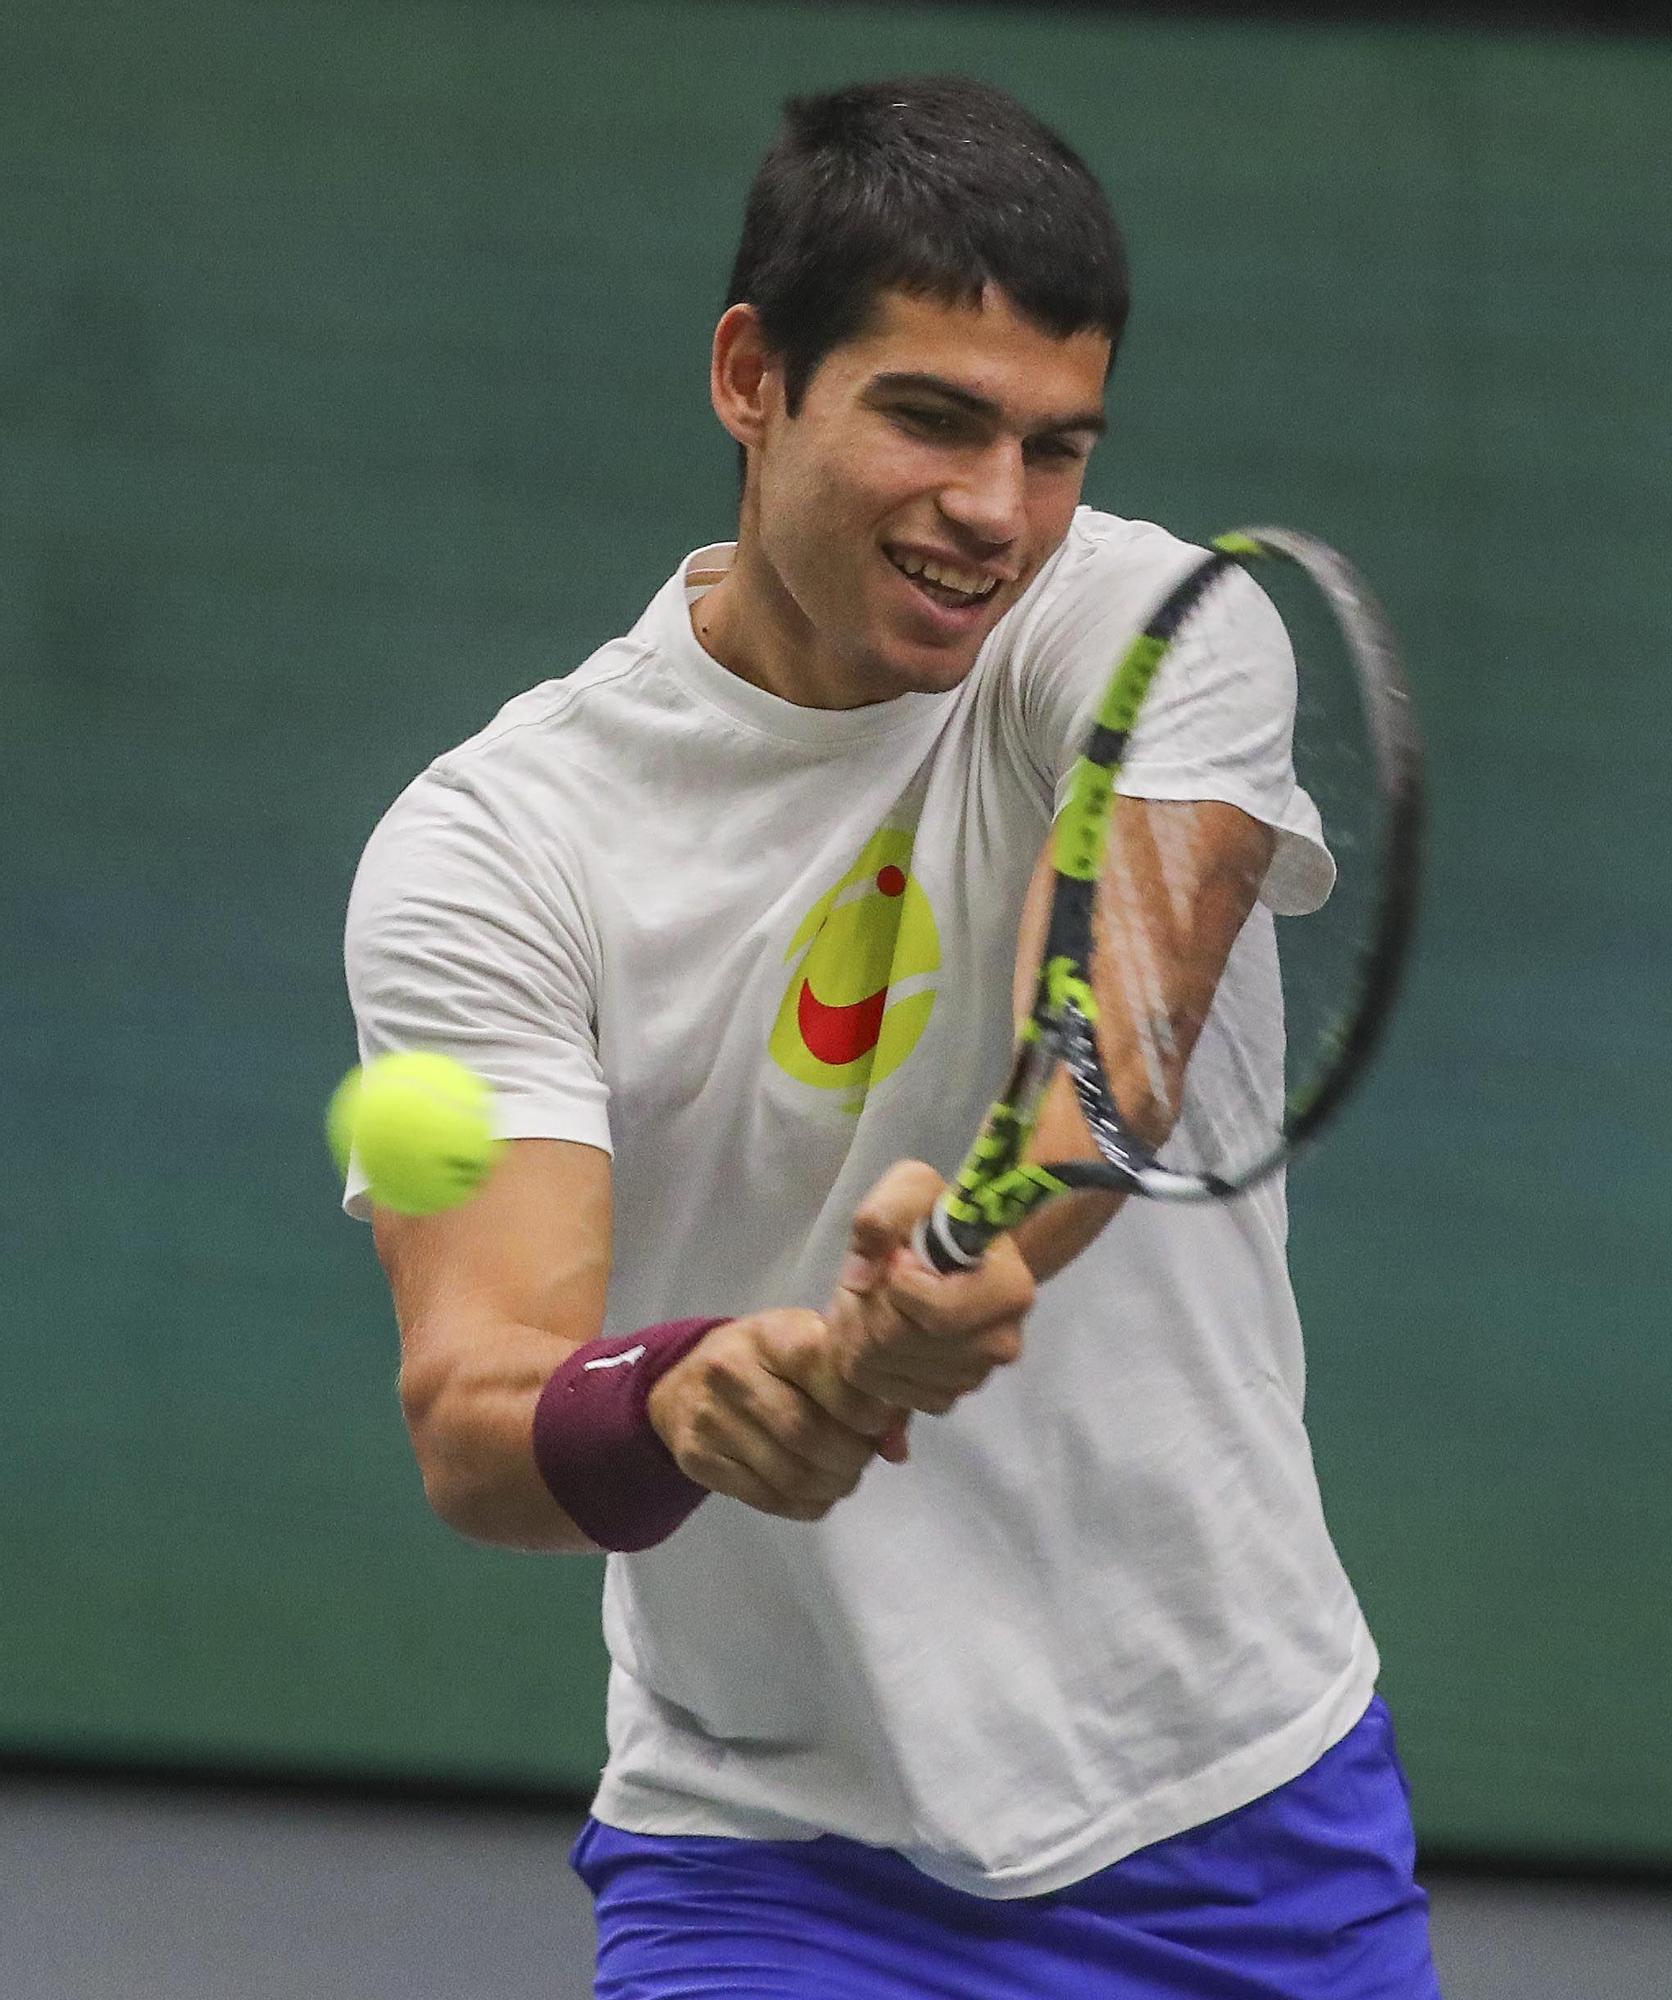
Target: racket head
{"points": [[1312, 978], [1307, 943]]}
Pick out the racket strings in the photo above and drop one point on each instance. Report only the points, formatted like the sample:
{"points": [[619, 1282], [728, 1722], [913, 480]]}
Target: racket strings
{"points": [[1245, 942], [1083, 1061], [1212, 1094]]}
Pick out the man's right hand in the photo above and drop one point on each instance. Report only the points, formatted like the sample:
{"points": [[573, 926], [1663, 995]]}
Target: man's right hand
{"points": [[756, 1410]]}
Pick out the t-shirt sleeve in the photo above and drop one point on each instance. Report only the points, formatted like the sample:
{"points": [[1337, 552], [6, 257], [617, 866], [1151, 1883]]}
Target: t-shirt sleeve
{"points": [[1218, 722], [461, 940]]}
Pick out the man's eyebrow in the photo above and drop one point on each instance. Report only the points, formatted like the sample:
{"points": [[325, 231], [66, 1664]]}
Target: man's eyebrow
{"points": [[981, 406]]}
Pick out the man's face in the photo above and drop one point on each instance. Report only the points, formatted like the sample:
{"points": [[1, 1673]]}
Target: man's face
{"points": [[946, 439]]}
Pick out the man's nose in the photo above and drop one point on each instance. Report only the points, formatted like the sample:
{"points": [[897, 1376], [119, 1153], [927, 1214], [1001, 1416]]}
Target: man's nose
{"points": [[988, 498]]}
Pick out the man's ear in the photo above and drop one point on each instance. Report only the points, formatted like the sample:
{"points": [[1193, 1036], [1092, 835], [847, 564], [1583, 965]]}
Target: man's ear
{"points": [[745, 380]]}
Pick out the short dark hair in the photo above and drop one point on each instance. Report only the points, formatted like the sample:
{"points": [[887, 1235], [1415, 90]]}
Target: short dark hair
{"points": [[933, 185]]}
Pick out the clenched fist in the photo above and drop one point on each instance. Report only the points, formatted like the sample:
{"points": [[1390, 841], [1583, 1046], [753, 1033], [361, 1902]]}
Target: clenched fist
{"points": [[905, 1335], [758, 1410]]}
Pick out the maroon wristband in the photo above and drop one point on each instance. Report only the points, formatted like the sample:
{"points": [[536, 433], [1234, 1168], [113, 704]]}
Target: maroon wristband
{"points": [[596, 1447]]}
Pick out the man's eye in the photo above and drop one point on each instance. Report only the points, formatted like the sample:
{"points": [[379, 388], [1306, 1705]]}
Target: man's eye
{"points": [[937, 423], [1055, 448]]}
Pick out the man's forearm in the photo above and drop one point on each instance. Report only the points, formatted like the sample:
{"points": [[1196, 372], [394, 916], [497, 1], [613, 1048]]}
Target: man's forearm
{"points": [[1055, 1234], [472, 1432], [1180, 884]]}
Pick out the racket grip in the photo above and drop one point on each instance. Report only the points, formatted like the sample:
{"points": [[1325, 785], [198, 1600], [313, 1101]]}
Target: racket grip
{"points": [[935, 1244]]}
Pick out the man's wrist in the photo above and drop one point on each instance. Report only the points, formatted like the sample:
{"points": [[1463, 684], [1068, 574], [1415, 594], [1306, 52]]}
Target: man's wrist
{"points": [[600, 1456]]}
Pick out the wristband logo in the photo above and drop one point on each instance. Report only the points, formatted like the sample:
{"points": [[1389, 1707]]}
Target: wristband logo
{"points": [[858, 998]]}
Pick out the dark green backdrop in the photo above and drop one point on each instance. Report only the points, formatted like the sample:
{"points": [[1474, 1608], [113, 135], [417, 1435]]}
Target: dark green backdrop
{"points": [[352, 377]]}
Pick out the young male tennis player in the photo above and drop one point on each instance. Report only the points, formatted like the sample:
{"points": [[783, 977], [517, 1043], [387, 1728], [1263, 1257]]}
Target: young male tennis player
{"points": [[976, 1636]]}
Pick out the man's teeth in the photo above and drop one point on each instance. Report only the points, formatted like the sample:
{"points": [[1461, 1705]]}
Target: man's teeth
{"points": [[968, 583]]}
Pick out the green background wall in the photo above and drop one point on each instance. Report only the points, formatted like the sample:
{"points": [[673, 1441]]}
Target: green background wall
{"points": [[352, 377]]}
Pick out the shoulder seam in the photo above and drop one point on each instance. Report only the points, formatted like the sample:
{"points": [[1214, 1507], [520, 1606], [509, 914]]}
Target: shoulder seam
{"points": [[564, 695]]}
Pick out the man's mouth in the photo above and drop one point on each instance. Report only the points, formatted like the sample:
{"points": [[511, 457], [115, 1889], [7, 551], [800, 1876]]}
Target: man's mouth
{"points": [[942, 583]]}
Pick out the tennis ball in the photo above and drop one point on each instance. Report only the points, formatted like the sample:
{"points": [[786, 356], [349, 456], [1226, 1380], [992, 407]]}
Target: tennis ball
{"points": [[421, 1126], [340, 1114]]}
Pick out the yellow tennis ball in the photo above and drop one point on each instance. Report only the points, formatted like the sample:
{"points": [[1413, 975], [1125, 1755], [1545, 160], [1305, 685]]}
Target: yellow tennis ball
{"points": [[421, 1127], [340, 1114]]}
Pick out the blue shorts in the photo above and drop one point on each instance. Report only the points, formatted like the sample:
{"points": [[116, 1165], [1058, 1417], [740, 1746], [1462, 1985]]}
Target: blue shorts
{"points": [[1307, 1894]]}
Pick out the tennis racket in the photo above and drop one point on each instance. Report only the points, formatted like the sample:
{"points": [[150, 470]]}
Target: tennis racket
{"points": [[1218, 1087]]}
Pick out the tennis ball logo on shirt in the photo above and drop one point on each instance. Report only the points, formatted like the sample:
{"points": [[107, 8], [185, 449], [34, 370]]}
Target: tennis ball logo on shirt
{"points": [[857, 1003]]}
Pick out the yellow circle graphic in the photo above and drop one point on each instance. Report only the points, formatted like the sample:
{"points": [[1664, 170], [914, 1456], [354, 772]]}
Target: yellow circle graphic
{"points": [[844, 1024]]}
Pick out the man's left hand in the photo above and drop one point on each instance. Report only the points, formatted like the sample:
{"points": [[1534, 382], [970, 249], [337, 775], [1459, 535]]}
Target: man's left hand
{"points": [[905, 1334]]}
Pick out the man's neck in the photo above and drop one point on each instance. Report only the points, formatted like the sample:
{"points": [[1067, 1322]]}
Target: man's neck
{"points": [[756, 630]]}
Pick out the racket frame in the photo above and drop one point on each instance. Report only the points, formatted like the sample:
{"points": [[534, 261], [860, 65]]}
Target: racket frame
{"points": [[996, 1186]]}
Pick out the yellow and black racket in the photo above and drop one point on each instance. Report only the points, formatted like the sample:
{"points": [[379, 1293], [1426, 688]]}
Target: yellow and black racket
{"points": [[1234, 1026]]}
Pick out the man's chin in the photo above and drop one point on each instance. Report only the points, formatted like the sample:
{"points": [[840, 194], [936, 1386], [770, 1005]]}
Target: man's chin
{"points": [[912, 665], [932, 669], [940, 681], [892, 673]]}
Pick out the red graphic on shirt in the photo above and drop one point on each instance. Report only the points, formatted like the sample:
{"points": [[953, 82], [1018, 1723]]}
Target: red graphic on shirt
{"points": [[842, 1034], [862, 960]]}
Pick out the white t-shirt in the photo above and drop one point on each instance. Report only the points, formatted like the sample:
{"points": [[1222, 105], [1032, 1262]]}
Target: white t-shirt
{"points": [[656, 907]]}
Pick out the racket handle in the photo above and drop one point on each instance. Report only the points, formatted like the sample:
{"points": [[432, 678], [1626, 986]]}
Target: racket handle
{"points": [[936, 1245]]}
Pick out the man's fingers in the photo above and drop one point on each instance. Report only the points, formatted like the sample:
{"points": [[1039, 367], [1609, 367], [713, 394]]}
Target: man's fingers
{"points": [[912, 1393], [849, 1405], [885, 1219], [933, 1386], [806, 1431], [1000, 1289], [722, 1473], [724, 1446], [895, 1443], [810, 1365], [759, 1412]]}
